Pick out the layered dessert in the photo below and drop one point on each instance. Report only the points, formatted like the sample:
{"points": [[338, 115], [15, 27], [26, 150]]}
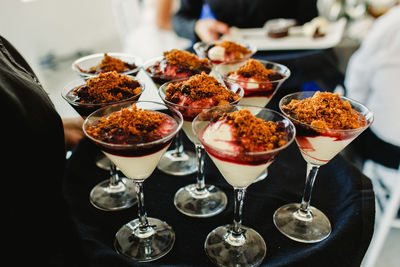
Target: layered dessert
{"points": [[200, 91], [242, 145], [259, 83], [134, 139], [325, 124], [106, 88], [177, 64], [226, 52], [107, 64]]}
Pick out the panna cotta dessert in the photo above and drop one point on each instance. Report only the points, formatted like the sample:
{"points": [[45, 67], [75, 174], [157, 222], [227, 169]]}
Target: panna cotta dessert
{"points": [[242, 146], [134, 139], [227, 52], [259, 80], [176, 64], [105, 89], [195, 94], [107, 63], [325, 124]]}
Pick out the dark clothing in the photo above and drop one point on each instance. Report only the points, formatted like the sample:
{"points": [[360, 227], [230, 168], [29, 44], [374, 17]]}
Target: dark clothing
{"points": [[33, 136], [241, 13]]}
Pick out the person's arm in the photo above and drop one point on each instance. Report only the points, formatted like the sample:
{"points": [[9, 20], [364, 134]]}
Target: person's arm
{"points": [[163, 14], [184, 20]]}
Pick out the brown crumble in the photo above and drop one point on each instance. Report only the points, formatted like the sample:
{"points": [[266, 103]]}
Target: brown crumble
{"points": [[109, 87], [201, 86], [254, 69], [255, 134], [127, 122], [325, 110], [110, 64], [185, 59], [231, 47]]}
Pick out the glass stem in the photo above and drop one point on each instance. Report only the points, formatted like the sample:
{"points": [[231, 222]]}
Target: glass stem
{"points": [[312, 171], [178, 144], [114, 176], [237, 216], [200, 186], [143, 223]]}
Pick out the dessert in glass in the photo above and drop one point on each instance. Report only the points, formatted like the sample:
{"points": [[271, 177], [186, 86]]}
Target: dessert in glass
{"points": [[176, 64], [190, 97], [134, 135], [95, 64], [260, 80], [224, 55], [242, 141], [86, 96], [325, 124]]}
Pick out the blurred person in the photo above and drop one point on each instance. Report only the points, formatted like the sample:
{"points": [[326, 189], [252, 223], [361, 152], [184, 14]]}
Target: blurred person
{"points": [[34, 142], [164, 10], [187, 22], [373, 78]]}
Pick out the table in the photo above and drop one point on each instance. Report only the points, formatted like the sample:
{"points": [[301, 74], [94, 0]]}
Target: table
{"points": [[340, 191]]}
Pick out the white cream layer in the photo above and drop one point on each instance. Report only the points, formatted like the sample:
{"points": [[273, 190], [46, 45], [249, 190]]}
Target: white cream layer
{"points": [[217, 53], [238, 175], [324, 148], [137, 168]]}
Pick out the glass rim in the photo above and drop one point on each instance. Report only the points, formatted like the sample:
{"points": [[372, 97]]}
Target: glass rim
{"points": [[137, 61], [78, 82], [369, 121], [199, 46], [139, 145], [152, 61], [195, 108], [224, 76], [257, 153]]}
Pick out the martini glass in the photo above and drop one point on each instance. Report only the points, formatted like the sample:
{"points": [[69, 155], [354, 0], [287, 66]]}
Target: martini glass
{"points": [[300, 221], [143, 239], [177, 161], [114, 193], [199, 199], [258, 93], [226, 65], [236, 245], [81, 65]]}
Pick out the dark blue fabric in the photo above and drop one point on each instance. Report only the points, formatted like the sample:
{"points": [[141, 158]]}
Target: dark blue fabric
{"points": [[340, 191]]}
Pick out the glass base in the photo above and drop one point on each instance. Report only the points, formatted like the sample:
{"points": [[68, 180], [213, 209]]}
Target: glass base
{"points": [[144, 246], [206, 203], [302, 228], [224, 249], [181, 165], [262, 176], [109, 198]]}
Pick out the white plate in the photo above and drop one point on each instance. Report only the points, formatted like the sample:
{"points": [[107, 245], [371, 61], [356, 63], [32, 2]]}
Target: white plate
{"points": [[258, 37]]}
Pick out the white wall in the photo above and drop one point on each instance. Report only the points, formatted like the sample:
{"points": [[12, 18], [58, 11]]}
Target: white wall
{"points": [[36, 27]]}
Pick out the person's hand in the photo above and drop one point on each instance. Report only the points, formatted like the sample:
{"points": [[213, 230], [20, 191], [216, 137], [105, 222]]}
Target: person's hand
{"points": [[73, 132], [210, 30]]}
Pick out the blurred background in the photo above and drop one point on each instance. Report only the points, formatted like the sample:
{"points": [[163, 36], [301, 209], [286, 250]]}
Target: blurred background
{"points": [[51, 34]]}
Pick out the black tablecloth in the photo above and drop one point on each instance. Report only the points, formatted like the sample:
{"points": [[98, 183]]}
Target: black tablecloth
{"points": [[340, 191]]}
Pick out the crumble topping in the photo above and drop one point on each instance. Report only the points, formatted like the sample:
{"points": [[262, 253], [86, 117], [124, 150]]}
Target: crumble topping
{"points": [[133, 124], [185, 59], [111, 64], [201, 86], [325, 110], [107, 87], [255, 134], [256, 70], [232, 47]]}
